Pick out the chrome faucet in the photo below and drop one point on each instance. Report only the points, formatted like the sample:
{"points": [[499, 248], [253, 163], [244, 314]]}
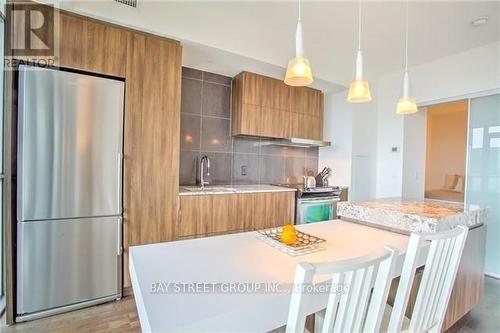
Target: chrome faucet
{"points": [[204, 182]]}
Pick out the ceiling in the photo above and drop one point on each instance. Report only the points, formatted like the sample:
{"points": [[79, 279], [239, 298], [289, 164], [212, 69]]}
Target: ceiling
{"points": [[263, 31]]}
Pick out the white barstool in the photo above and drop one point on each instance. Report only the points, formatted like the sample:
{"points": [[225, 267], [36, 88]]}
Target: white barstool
{"points": [[437, 282], [354, 309]]}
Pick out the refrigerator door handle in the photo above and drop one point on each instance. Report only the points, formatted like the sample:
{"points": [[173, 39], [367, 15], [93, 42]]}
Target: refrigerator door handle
{"points": [[119, 182], [120, 236]]}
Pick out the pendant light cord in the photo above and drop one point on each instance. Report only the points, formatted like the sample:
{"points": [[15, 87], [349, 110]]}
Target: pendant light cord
{"points": [[299, 43], [359, 26], [406, 46]]}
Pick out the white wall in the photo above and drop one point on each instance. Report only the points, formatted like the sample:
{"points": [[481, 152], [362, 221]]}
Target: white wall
{"points": [[364, 149], [414, 155], [390, 136], [337, 128], [352, 129], [452, 77]]}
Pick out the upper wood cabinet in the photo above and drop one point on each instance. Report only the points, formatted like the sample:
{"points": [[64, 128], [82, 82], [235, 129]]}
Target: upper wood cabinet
{"points": [[267, 107], [89, 45]]}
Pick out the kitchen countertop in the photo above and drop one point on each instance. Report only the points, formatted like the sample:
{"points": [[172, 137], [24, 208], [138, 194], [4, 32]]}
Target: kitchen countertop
{"points": [[172, 281], [229, 189], [409, 216]]}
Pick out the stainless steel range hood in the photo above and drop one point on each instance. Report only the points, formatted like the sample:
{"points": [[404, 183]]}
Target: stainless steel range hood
{"points": [[305, 142], [299, 142]]}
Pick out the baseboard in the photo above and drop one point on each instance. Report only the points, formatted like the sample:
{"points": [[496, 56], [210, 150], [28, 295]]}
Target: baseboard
{"points": [[128, 291], [492, 275]]}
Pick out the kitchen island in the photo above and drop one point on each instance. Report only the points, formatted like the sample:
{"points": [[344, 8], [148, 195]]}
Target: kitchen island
{"points": [[427, 216], [407, 216], [174, 282]]}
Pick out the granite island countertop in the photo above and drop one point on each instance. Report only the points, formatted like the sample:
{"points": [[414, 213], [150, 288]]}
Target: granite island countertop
{"points": [[228, 189], [407, 216]]}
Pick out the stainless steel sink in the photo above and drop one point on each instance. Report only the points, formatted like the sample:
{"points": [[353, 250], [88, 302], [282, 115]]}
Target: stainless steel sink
{"points": [[208, 189]]}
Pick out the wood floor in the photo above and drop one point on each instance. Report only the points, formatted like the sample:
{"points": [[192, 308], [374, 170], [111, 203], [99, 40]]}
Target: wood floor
{"points": [[121, 316]]}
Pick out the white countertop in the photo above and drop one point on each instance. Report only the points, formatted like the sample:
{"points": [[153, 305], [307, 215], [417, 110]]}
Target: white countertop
{"points": [[237, 258], [228, 189]]}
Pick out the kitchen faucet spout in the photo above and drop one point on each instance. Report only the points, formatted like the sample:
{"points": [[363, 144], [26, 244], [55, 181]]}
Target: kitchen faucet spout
{"points": [[204, 160]]}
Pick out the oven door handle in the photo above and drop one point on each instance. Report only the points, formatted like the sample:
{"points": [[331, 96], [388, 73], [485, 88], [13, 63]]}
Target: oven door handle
{"points": [[318, 201]]}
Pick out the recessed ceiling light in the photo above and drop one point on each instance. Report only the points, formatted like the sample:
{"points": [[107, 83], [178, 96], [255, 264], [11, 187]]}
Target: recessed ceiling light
{"points": [[481, 20]]}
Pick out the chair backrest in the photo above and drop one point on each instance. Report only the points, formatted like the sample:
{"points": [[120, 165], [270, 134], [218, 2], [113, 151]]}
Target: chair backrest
{"points": [[352, 306], [435, 288]]}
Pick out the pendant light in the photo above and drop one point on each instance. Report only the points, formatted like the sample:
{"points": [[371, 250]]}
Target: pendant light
{"points": [[298, 71], [359, 91], [406, 104]]}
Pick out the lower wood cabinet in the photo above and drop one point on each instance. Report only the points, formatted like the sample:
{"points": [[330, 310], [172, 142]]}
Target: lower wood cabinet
{"points": [[205, 215], [273, 210]]}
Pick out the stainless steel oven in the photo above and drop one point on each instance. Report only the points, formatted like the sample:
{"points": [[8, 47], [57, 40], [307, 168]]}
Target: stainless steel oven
{"points": [[316, 209], [315, 204]]}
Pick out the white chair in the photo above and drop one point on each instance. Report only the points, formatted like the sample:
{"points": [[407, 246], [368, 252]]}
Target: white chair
{"points": [[437, 282], [356, 308]]}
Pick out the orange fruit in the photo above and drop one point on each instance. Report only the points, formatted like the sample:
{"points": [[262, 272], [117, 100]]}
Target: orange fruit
{"points": [[289, 227], [288, 236]]}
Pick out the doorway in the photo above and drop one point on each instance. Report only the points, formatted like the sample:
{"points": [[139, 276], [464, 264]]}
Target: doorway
{"points": [[446, 151]]}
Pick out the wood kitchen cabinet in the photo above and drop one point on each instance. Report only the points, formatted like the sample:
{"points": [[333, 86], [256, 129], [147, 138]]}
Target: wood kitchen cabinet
{"points": [[151, 141], [267, 107], [195, 215], [205, 215], [90, 45], [208, 214], [273, 210]]}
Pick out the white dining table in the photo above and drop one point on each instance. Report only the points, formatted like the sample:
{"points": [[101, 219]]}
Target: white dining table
{"points": [[232, 283]]}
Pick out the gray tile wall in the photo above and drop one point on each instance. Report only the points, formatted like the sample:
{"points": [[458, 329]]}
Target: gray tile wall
{"points": [[206, 130]]}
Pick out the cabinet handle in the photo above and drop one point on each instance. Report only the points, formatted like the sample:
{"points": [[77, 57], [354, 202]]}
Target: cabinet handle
{"points": [[179, 212]]}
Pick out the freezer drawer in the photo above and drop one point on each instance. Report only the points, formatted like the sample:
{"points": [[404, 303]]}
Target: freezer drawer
{"points": [[67, 261], [70, 145]]}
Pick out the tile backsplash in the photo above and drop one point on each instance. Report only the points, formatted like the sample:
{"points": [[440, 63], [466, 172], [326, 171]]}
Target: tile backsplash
{"points": [[206, 130]]}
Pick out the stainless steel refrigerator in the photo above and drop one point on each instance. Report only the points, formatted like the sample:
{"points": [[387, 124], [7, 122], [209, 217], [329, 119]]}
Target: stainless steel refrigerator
{"points": [[69, 191]]}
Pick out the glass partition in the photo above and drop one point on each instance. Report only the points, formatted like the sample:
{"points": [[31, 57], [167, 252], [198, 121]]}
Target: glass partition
{"points": [[483, 171]]}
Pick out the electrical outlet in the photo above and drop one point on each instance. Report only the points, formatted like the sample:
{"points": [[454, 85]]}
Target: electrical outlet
{"points": [[243, 170]]}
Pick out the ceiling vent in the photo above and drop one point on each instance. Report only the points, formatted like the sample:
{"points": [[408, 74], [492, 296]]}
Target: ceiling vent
{"points": [[130, 3]]}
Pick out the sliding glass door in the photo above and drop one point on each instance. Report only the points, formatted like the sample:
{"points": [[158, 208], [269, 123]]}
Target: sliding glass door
{"points": [[483, 171]]}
